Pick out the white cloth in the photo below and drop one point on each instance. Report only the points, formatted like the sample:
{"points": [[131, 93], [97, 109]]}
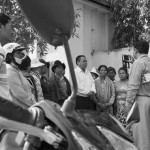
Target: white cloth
{"points": [[85, 82]]}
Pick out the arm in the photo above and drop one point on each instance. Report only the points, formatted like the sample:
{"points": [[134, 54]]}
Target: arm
{"points": [[14, 112], [112, 99], [16, 88], [2, 56], [134, 82]]}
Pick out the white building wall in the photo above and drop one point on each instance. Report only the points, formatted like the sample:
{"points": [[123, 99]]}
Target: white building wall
{"points": [[113, 59], [95, 35]]}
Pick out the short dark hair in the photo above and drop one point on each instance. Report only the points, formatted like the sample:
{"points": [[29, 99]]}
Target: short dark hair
{"points": [[4, 19], [78, 58], [99, 68], [111, 69], [142, 47]]}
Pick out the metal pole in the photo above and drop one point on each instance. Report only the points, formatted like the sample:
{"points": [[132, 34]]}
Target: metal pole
{"points": [[69, 104]]}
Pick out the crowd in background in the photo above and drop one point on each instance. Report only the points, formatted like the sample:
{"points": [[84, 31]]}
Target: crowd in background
{"points": [[27, 82], [104, 94]]}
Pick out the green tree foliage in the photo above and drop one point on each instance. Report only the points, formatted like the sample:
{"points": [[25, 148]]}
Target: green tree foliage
{"points": [[131, 19], [23, 31]]}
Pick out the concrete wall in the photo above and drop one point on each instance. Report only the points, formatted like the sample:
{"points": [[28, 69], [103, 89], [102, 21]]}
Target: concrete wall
{"points": [[95, 35], [113, 59]]}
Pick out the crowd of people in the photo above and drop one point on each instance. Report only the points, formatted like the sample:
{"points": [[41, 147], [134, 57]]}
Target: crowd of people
{"points": [[117, 97], [25, 81]]}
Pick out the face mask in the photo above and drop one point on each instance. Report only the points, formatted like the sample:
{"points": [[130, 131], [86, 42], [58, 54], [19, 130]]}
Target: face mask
{"points": [[19, 60], [25, 64]]}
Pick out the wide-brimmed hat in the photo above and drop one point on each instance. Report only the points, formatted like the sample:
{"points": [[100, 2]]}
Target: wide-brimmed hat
{"points": [[58, 63], [12, 47], [44, 62], [94, 70], [36, 63]]}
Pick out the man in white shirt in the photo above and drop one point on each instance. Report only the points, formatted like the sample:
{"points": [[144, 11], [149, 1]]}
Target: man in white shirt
{"points": [[86, 85]]}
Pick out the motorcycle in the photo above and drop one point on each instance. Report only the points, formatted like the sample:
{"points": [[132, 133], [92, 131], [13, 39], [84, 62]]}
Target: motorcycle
{"points": [[82, 130], [66, 128]]}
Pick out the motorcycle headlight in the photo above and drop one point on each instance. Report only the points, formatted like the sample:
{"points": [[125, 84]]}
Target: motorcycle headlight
{"points": [[84, 143], [117, 141]]}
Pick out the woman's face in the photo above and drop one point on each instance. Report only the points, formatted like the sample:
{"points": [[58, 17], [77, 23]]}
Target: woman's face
{"points": [[122, 75], [103, 72], [111, 75]]}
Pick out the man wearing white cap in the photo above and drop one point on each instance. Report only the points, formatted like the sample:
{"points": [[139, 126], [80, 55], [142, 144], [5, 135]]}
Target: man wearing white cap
{"points": [[36, 73]]}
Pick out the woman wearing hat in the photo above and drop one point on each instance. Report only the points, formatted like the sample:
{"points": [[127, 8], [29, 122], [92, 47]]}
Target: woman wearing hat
{"points": [[94, 73], [60, 86]]}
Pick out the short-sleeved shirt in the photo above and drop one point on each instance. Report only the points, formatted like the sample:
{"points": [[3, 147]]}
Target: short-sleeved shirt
{"points": [[85, 82]]}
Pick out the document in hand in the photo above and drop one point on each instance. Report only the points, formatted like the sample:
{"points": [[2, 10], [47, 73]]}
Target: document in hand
{"points": [[133, 114], [146, 78]]}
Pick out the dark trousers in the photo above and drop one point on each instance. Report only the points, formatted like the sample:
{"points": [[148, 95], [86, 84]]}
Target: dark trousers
{"points": [[84, 103]]}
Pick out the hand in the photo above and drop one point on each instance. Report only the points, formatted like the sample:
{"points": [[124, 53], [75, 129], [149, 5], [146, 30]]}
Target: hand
{"points": [[31, 142], [90, 93]]}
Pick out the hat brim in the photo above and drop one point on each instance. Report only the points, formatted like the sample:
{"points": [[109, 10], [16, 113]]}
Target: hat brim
{"points": [[37, 65], [19, 49], [63, 65], [95, 73]]}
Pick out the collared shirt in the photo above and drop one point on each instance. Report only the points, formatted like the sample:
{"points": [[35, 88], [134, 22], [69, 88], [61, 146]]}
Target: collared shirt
{"points": [[62, 86], [37, 78], [19, 88], [85, 82], [136, 87], [4, 87]]}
